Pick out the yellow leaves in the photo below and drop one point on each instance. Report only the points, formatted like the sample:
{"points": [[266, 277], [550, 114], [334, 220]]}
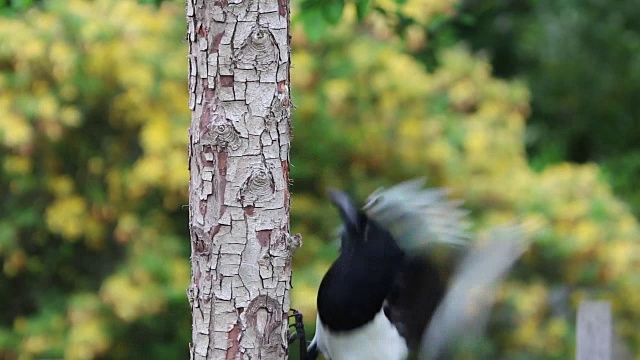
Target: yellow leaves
{"points": [[148, 170], [127, 227], [104, 73], [423, 11], [177, 171], [416, 38], [551, 336], [18, 165], [458, 64], [363, 55], [120, 10], [67, 216], [7, 28], [63, 58], [302, 74], [627, 225], [48, 23], [40, 335], [155, 135], [180, 270], [61, 186], [70, 116], [164, 162], [137, 76], [426, 135], [587, 233], [529, 301], [476, 142], [463, 95], [557, 328], [400, 75], [68, 92], [33, 49], [102, 58], [131, 299], [14, 130], [530, 298], [88, 333], [36, 344], [337, 92], [411, 129], [619, 257], [571, 189], [438, 151], [87, 340], [381, 25]]}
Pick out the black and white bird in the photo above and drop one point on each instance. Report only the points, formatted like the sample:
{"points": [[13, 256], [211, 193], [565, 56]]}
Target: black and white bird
{"points": [[385, 298]]}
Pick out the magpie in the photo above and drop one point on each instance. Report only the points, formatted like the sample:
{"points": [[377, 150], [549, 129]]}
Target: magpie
{"points": [[385, 296]]}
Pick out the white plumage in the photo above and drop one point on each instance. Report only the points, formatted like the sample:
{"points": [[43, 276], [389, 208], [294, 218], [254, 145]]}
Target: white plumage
{"points": [[378, 340]]}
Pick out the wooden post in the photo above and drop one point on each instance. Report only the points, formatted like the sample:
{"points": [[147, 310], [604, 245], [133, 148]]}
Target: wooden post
{"points": [[594, 331]]}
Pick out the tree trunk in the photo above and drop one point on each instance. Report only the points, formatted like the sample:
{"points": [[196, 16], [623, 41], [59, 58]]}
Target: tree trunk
{"points": [[239, 166]]}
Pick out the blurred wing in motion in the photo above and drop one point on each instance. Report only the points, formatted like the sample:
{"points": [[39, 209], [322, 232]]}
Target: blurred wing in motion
{"points": [[417, 216], [464, 311]]}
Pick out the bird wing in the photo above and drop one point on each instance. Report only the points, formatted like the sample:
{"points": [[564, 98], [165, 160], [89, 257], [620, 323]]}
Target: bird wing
{"points": [[464, 310], [417, 216]]}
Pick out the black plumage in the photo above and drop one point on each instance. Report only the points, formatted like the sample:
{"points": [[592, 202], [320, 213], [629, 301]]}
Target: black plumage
{"points": [[355, 287]]}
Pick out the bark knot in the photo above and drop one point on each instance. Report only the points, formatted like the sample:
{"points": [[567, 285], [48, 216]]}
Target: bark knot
{"points": [[264, 315], [259, 186], [223, 135], [258, 51]]}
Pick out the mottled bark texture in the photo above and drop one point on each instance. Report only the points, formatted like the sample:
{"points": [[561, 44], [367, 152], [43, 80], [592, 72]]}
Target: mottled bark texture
{"points": [[239, 165]]}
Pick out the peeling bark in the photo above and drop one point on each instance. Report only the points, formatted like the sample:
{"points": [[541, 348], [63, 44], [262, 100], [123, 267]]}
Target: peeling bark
{"points": [[239, 165]]}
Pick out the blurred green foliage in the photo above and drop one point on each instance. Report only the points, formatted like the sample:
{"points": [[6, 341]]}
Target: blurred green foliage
{"points": [[92, 127], [580, 59], [93, 174], [465, 129]]}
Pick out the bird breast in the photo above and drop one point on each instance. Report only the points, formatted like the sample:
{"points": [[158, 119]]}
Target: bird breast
{"points": [[378, 339]]}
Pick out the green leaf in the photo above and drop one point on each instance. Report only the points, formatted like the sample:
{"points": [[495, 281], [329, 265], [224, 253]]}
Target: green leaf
{"points": [[317, 15], [362, 6], [21, 4], [314, 22], [332, 10], [468, 19], [437, 21]]}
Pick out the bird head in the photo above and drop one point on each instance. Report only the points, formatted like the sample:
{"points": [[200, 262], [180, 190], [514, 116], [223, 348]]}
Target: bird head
{"points": [[362, 235]]}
